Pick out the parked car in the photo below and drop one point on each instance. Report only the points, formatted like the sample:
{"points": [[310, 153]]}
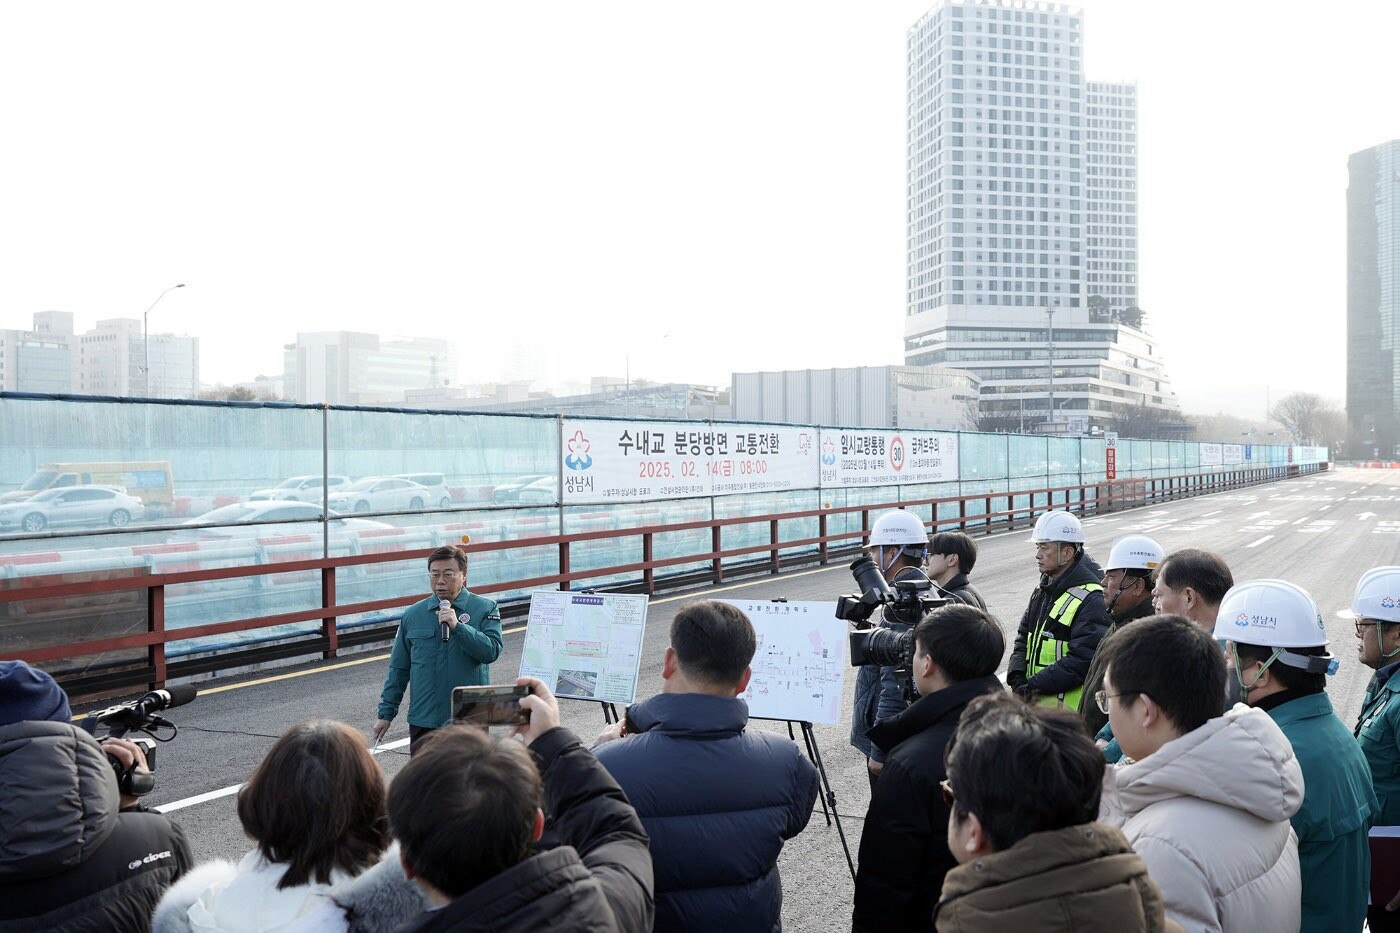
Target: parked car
{"points": [[151, 481], [300, 489], [543, 491], [510, 492], [380, 494], [72, 505], [435, 483], [245, 520]]}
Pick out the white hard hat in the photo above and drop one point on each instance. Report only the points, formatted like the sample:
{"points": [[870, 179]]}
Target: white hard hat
{"points": [[1377, 596], [898, 529], [1271, 614], [1058, 525], [1134, 552]]}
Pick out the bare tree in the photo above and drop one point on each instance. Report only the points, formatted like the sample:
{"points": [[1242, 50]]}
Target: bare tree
{"points": [[1307, 416]]}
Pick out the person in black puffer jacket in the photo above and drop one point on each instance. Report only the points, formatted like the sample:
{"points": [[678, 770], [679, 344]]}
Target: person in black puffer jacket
{"points": [[74, 855]]}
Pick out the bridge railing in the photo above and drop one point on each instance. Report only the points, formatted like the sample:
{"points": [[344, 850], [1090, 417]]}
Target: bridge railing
{"points": [[104, 629]]}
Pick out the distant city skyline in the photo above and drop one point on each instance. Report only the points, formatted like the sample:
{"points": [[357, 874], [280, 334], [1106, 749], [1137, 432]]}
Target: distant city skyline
{"points": [[555, 177]]}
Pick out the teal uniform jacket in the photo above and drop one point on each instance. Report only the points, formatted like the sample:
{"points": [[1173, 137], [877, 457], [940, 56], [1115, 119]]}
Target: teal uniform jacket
{"points": [[1378, 731], [420, 657], [1339, 806]]}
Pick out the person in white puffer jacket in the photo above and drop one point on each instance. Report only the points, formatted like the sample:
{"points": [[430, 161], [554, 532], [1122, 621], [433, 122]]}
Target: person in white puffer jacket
{"points": [[1204, 796], [316, 807]]}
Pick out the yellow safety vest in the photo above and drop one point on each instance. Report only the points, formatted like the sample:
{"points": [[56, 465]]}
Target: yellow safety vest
{"points": [[1049, 642]]}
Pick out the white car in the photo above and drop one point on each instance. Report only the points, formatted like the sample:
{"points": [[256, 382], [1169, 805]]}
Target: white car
{"points": [[381, 494], [246, 520], [72, 505], [435, 483], [510, 492], [300, 489], [543, 491]]}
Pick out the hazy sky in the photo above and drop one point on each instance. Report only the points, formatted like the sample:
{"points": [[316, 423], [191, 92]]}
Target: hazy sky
{"points": [[567, 189]]}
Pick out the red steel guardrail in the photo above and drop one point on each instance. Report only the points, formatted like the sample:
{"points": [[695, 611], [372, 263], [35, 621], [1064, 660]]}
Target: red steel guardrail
{"points": [[1107, 497]]}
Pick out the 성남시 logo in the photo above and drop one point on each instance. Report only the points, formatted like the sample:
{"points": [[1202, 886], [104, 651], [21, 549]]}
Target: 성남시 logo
{"points": [[1387, 602], [578, 457], [1242, 620], [829, 452]]}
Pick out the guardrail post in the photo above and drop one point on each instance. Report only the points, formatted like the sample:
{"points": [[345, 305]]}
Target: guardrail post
{"points": [[155, 615], [565, 583], [962, 514], [329, 631], [716, 562], [774, 566], [821, 533], [648, 574]]}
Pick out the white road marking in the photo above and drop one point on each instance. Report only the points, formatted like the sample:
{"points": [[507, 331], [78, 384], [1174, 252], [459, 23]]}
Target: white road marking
{"points": [[1301, 520], [1259, 542], [1216, 512], [1365, 515], [233, 789]]}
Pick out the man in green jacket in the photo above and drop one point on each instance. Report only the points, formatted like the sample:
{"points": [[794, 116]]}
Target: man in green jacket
{"points": [[447, 640], [1375, 609], [1279, 648]]}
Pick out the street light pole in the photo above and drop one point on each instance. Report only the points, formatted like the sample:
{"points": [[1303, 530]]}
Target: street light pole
{"points": [[146, 339], [1050, 334]]}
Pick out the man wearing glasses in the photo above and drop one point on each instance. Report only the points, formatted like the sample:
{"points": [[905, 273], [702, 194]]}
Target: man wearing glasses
{"points": [[446, 640], [1376, 611]]}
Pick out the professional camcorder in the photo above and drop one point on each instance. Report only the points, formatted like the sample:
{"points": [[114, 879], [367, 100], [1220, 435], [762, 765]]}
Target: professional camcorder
{"points": [[908, 602], [139, 716]]}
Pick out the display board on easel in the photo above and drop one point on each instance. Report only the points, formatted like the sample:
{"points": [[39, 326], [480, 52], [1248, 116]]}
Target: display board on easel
{"points": [[799, 667], [586, 646], [799, 677]]}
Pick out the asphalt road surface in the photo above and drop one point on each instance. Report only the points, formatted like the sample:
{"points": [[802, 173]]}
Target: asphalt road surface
{"points": [[1321, 532]]}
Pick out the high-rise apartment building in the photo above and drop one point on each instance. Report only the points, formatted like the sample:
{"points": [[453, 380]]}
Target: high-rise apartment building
{"points": [[1373, 301], [1110, 196], [1022, 219], [342, 367]]}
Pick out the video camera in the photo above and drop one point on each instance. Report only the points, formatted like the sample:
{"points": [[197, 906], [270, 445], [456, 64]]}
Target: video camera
{"points": [[139, 716], [908, 602]]}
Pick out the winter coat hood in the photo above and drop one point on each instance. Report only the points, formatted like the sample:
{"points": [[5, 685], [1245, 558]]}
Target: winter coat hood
{"points": [[60, 802]]}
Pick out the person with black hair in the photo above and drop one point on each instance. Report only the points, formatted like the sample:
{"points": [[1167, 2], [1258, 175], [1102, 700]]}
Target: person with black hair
{"points": [[1204, 798], [1031, 856], [447, 640], [951, 557], [904, 846], [1279, 648], [469, 809], [1064, 621], [1191, 582], [718, 799]]}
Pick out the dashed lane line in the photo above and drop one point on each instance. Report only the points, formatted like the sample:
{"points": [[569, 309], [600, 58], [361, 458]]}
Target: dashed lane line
{"points": [[1259, 542]]}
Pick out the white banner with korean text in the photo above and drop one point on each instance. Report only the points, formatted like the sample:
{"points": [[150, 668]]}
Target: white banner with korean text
{"points": [[1212, 454], [1232, 453], [625, 461], [868, 457]]}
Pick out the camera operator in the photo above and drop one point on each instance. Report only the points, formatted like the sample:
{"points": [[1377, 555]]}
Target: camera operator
{"points": [[904, 845], [898, 545], [75, 853]]}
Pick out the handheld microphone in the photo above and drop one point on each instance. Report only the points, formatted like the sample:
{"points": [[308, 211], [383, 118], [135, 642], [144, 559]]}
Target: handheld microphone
{"points": [[446, 631]]}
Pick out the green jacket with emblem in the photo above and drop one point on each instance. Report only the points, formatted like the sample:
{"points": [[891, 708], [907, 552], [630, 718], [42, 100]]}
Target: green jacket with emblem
{"points": [[1059, 633], [434, 667], [1338, 809], [1378, 731]]}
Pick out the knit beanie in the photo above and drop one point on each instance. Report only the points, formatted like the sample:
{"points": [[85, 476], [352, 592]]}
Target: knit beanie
{"points": [[29, 694]]}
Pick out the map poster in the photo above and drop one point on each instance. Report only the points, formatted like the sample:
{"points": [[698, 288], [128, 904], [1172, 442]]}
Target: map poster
{"points": [[863, 457], [585, 646], [626, 461], [799, 669]]}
